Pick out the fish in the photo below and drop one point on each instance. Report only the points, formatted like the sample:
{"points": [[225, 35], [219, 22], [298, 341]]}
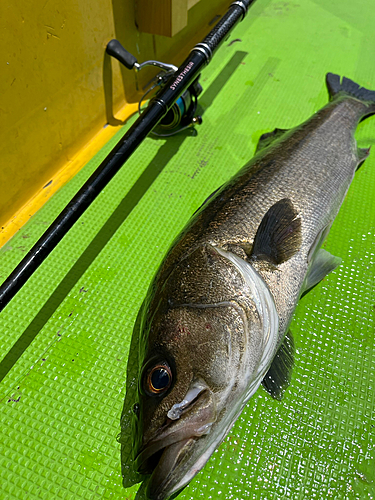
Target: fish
{"points": [[215, 320]]}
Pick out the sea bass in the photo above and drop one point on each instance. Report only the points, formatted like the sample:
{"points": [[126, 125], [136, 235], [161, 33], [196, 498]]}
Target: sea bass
{"points": [[215, 322]]}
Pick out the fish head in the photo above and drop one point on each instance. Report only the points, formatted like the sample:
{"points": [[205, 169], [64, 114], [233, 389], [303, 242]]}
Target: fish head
{"points": [[200, 355]]}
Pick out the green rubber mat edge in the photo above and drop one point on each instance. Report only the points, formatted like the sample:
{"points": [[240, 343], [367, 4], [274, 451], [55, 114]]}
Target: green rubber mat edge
{"points": [[65, 338]]}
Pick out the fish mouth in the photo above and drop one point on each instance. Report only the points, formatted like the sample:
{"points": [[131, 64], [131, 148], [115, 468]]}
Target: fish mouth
{"points": [[163, 480], [168, 456]]}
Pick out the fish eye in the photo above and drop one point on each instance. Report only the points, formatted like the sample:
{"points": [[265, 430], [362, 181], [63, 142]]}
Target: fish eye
{"points": [[159, 379]]}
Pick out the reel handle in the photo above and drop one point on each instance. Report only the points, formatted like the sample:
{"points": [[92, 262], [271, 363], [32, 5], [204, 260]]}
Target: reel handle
{"points": [[116, 50]]}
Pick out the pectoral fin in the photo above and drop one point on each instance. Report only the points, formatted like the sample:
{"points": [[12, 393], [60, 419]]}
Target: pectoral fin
{"points": [[279, 374], [322, 264], [279, 235]]}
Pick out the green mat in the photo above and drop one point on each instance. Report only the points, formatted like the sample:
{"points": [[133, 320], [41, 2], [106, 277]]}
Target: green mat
{"points": [[65, 338]]}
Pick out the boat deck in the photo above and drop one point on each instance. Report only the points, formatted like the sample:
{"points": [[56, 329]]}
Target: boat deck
{"points": [[65, 338]]}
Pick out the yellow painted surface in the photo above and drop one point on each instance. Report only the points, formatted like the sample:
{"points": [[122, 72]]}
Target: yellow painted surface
{"points": [[58, 88], [62, 176]]}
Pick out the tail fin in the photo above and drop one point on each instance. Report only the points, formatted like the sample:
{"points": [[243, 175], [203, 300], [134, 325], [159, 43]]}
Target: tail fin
{"points": [[348, 87]]}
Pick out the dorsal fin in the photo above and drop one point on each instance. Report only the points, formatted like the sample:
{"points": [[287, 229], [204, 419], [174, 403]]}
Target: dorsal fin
{"points": [[266, 139]]}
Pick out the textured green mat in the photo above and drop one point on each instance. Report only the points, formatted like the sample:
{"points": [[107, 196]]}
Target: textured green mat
{"points": [[65, 338]]}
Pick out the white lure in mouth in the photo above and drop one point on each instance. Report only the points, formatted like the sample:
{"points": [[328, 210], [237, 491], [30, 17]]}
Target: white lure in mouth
{"points": [[195, 389]]}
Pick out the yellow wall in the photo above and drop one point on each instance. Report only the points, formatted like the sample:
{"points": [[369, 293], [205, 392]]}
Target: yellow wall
{"points": [[58, 89]]}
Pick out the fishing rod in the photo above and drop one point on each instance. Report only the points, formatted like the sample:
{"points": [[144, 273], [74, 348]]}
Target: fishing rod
{"points": [[177, 83]]}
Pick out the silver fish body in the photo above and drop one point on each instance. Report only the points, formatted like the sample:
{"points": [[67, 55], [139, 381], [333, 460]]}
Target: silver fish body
{"points": [[218, 311]]}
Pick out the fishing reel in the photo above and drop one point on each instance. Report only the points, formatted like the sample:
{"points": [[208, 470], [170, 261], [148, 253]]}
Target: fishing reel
{"points": [[181, 114]]}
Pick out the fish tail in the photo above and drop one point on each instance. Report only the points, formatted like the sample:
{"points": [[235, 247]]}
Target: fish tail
{"points": [[344, 86]]}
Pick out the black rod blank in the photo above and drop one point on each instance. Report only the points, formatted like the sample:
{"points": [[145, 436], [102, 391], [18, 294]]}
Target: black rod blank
{"points": [[185, 75]]}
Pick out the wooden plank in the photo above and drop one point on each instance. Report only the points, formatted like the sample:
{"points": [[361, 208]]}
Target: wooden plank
{"points": [[191, 3], [162, 17]]}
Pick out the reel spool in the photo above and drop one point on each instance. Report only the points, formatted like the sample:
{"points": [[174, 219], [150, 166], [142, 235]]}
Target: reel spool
{"points": [[182, 114]]}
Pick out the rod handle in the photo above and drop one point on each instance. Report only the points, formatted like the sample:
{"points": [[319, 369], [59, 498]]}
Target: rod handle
{"points": [[116, 50]]}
